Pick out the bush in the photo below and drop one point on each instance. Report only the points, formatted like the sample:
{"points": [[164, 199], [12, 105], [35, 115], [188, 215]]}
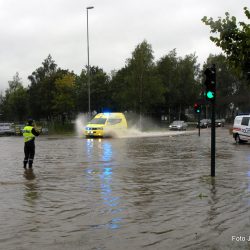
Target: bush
{"points": [[59, 128]]}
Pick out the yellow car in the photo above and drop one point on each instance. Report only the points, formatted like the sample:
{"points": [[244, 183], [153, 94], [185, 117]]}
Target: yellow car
{"points": [[106, 125]]}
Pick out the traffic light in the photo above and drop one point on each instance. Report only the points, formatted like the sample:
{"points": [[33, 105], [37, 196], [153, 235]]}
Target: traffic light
{"points": [[197, 108], [210, 83]]}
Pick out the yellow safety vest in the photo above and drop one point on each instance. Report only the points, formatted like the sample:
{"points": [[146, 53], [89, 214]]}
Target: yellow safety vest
{"points": [[27, 134]]}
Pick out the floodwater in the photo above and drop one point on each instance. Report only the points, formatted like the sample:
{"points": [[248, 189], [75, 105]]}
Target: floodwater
{"points": [[143, 191]]}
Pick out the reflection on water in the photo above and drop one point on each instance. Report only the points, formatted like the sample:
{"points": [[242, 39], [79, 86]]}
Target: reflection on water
{"points": [[31, 193], [137, 192], [105, 172], [29, 174]]}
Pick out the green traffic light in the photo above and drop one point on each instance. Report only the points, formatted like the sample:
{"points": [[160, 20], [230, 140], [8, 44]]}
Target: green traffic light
{"points": [[210, 95], [198, 111]]}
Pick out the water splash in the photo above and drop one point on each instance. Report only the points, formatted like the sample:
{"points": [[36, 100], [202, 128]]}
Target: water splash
{"points": [[80, 123], [133, 130]]}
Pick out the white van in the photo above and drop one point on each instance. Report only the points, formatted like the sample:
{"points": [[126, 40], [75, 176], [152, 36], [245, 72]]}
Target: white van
{"points": [[7, 129], [241, 128]]}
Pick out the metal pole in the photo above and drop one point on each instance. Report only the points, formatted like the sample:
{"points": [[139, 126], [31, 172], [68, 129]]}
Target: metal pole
{"points": [[213, 136], [88, 71], [213, 141], [199, 124]]}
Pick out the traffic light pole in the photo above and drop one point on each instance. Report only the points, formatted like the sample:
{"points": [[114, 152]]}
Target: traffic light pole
{"points": [[210, 83], [213, 104], [197, 110], [199, 124], [213, 139]]}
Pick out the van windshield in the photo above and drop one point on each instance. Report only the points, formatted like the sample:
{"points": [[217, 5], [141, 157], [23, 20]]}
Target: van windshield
{"points": [[98, 121]]}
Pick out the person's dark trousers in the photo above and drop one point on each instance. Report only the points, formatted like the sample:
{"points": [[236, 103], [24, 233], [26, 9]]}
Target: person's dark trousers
{"points": [[29, 153]]}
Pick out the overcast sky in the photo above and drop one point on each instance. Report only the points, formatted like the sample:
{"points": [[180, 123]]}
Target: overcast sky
{"points": [[32, 29]]}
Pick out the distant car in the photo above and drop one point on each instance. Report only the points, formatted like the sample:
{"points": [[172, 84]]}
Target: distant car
{"points": [[44, 131], [178, 125], [219, 123], [204, 123], [7, 129]]}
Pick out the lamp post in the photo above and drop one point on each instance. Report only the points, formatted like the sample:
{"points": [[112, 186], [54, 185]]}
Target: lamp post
{"points": [[88, 71]]}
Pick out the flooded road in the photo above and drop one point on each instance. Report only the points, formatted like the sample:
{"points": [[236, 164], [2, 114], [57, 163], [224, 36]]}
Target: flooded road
{"points": [[144, 191]]}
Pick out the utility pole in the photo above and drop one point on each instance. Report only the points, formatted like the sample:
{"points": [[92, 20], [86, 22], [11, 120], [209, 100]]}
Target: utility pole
{"points": [[88, 70]]}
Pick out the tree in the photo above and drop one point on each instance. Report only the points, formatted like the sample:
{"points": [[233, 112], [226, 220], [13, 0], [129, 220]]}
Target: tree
{"points": [[99, 89], [42, 89], [145, 89], [227, 84], [1, 106], [187, 78], [14, 103], [100, 96], [81, 85], [180, 79], [234, 40], [64, 96], [118, 89], [138, 86]]}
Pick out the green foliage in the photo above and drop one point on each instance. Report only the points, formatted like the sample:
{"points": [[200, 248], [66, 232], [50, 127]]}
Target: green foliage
{"points": [[14, 104], [64, 96], [233, 39], [100, 89], [231, 91], [118, 90], [180, 79], [138, 86], [42, 89], [60, 128], [81, 90]]}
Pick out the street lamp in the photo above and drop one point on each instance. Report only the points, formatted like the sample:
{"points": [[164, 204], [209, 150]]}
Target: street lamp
{"points": [[88, 72]]}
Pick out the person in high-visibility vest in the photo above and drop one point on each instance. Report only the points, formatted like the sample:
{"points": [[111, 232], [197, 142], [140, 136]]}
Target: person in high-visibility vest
{"points": [[29, 134]]}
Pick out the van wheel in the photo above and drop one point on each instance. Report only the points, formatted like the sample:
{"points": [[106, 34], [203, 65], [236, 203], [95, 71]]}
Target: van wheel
{"points": [[237, 139]]}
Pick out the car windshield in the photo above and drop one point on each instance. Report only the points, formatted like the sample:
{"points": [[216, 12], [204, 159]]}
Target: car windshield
{"points": [[98, 121], [177, 122]]}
